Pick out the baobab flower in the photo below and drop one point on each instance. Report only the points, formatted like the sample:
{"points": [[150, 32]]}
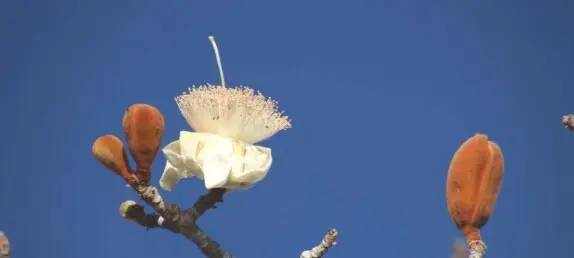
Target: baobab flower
{"points": [[227, 122]]}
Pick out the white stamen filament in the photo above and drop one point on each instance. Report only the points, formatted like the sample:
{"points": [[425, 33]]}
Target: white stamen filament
{"points": [[239, 113]]}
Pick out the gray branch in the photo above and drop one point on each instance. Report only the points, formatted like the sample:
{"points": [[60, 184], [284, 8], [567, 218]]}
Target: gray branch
{"points": [[318, 251], [176, 220], [172, 218]]}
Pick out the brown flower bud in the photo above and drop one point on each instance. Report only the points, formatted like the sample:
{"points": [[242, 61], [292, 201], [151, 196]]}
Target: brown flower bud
{"points": [[109, 150], [473, 184], [144, 127]]}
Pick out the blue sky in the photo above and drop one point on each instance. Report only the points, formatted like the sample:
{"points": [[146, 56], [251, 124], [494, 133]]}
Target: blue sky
{"points": [[380, 93]]}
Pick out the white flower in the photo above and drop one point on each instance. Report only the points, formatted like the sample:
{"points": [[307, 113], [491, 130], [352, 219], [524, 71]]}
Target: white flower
{"points": [[226, 123]]}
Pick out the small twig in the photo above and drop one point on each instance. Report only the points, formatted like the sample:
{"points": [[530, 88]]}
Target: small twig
{"points": [[207, 201], [568, 121], [4, 246], [320, 250], [477, 249]]}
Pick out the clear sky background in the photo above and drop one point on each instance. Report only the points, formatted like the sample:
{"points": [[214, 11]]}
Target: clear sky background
{"points": [[380, 93]]}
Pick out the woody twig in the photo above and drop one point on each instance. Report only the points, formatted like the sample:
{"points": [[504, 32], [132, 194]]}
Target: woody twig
{"points": [[176, 220], [318, 251]]}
